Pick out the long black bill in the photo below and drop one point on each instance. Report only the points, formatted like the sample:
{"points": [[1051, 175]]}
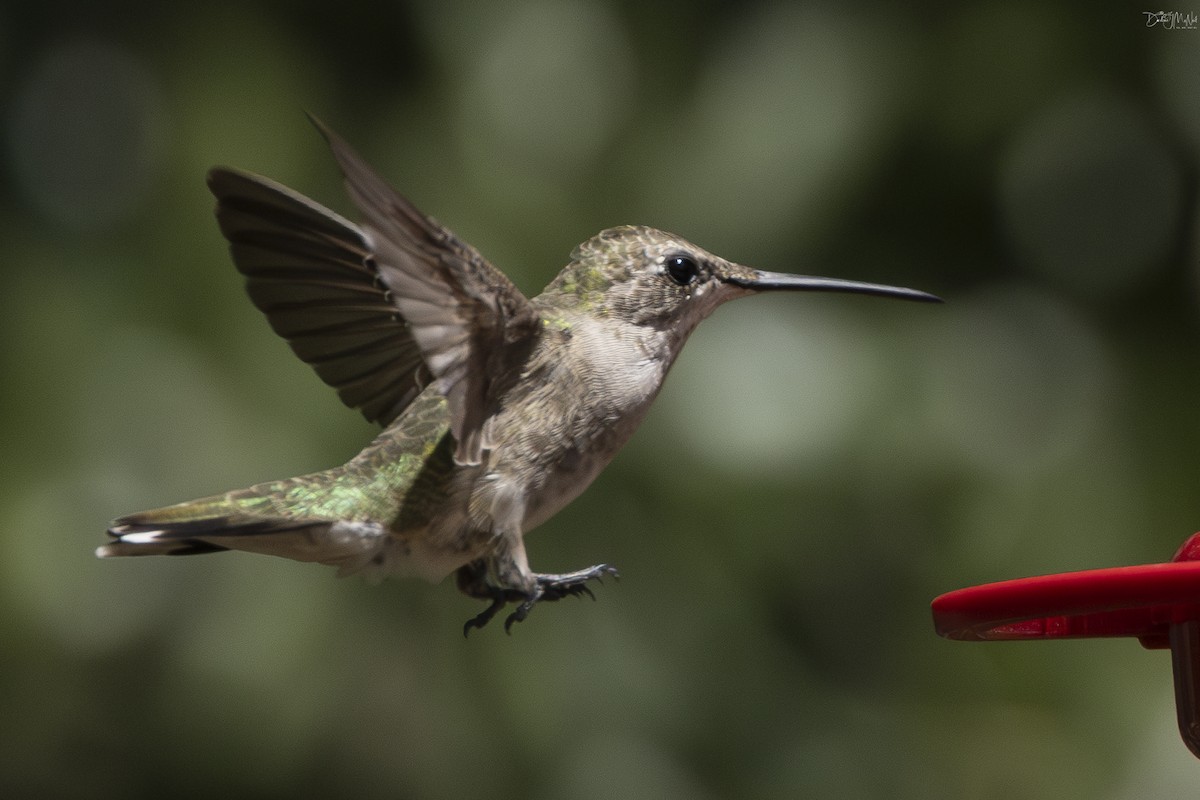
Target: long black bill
{"points": [[782, 281]]}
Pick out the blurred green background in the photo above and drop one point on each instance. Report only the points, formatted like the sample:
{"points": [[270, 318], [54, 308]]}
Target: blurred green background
{"points": [[816, 470]]}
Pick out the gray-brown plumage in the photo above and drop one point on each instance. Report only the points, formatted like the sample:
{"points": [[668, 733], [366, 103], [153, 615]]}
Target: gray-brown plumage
{"points": [[498, 409]]}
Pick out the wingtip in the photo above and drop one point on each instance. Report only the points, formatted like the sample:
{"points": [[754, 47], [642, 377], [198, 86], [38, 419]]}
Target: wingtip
{"points": [[348, 159], [218, 178], [321, 127], [226, 182], [354, 168]]}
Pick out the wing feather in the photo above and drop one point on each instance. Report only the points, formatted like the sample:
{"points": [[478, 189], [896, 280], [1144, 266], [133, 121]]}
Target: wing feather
{"points": [[311, 273], [472, 325]]}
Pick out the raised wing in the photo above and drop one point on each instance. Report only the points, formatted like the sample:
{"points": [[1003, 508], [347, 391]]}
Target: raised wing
{"points": [[472, 325], [312, 273]]}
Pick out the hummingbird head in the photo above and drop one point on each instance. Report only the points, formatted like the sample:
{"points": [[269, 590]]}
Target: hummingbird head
{"points": [[651, 278]]}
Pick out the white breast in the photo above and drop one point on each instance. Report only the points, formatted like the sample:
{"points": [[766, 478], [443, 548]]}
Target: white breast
{"points": [[622, 377]]}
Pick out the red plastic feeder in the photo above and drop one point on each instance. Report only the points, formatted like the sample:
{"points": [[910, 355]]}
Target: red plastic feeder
{"points": [[1157, 603]]}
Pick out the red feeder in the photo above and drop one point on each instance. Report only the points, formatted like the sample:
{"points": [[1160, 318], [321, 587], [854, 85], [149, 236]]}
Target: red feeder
{"points": [[1157, 603]]}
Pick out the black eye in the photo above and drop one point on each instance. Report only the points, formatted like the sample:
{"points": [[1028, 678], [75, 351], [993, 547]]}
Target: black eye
{"points": [[682, 269]]}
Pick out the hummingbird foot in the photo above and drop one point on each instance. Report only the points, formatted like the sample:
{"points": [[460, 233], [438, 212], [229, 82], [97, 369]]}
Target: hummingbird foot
{"points": [[555, 587], [472, 580], [484, 617]]}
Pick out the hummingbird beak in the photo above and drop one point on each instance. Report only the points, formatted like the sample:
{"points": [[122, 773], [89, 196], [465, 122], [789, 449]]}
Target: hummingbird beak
{"points": [[760, 281]]}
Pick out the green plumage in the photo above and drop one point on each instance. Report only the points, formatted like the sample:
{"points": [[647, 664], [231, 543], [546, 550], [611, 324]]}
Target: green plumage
{"points": [[399, 480]]}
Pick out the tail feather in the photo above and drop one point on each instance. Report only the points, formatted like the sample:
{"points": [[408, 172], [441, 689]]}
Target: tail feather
{"points": [[235, 522], [193, 528]]}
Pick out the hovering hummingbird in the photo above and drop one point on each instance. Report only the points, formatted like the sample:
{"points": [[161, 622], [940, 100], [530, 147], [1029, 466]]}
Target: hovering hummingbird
{"points": [[498, 410]]}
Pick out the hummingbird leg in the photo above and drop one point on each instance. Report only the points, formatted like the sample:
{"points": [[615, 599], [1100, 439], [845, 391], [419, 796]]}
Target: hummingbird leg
{"points": [[499, 598], [484, 617], [472, 581], [557, 586], [573, 584]]}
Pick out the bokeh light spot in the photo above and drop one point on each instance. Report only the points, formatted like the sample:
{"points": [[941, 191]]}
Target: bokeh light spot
{"points": [[788, 113], [1090, 195], [761, 393], [1017, 381], [552, 81]]}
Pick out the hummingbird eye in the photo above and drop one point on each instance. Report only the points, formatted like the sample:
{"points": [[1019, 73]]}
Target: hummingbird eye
{"points": [[682, 269]]}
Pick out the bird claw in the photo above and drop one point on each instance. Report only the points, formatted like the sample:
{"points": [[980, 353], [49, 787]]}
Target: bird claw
{"points": [[484, 617], [546, 587], [572, 584]]}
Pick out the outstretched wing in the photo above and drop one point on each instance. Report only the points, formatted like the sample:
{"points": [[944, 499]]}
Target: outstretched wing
{"points": [[471, 324], [311, 272]]}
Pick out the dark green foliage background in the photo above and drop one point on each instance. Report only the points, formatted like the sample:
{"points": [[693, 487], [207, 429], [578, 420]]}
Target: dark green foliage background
{"points": [[817, 468]]}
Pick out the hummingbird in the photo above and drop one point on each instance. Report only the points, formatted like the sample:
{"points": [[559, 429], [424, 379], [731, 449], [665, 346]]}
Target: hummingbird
{"points": [[497, 409]]}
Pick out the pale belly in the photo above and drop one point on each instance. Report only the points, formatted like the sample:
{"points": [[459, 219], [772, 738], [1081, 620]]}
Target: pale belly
{"points": [[563, 486], [527, 478]]}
